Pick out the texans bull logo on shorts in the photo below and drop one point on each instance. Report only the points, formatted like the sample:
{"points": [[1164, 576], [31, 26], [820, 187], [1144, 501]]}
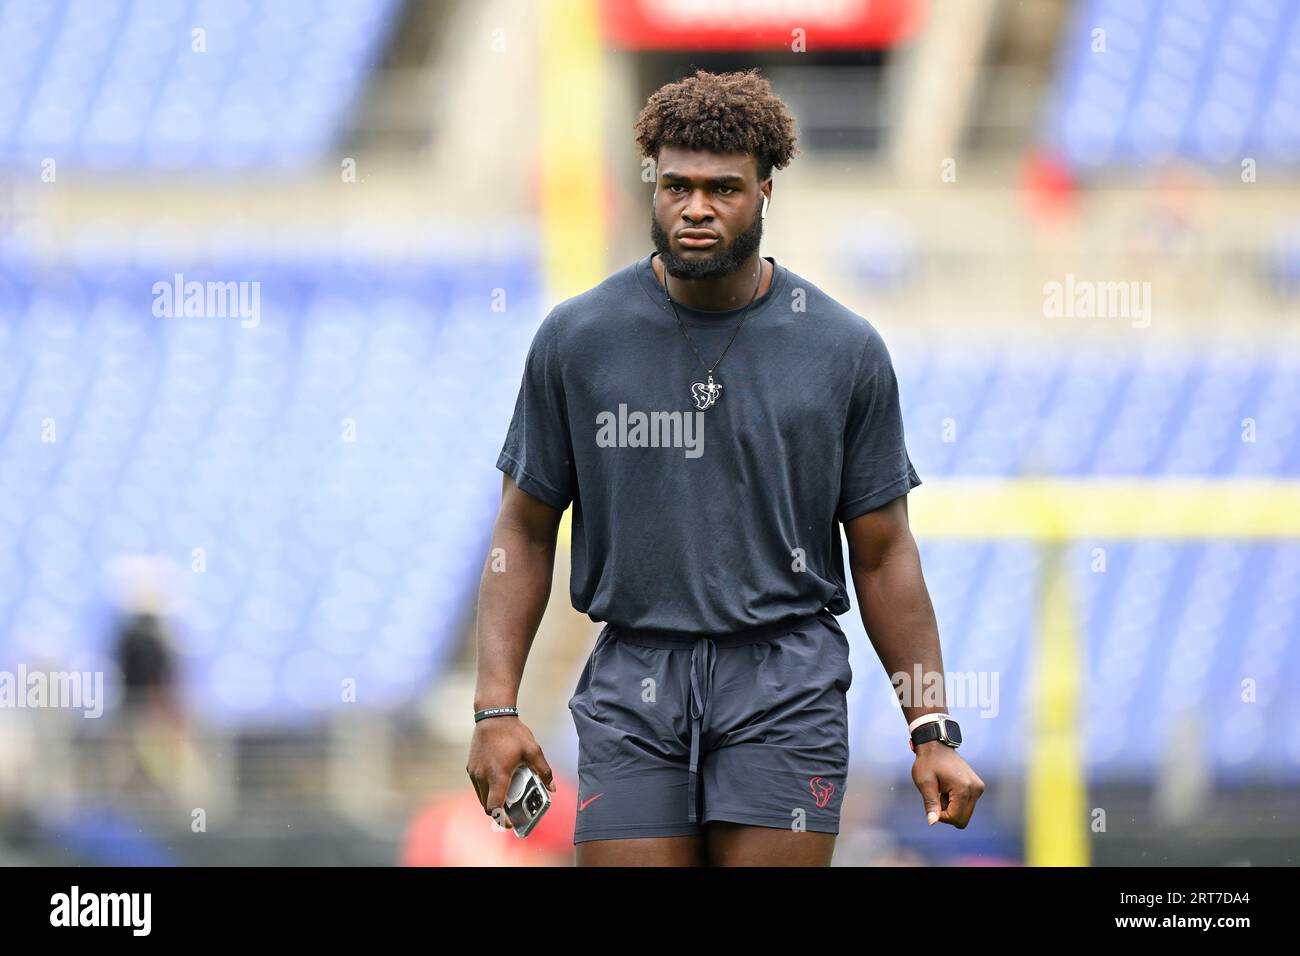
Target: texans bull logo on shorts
{"points": [[822, 790]]}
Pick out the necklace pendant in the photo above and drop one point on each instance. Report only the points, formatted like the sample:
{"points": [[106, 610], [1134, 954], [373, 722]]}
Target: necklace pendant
{"points": [[705, 394]]}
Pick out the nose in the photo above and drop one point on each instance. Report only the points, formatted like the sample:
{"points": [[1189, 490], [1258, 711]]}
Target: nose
{"points": [[697, 210]]}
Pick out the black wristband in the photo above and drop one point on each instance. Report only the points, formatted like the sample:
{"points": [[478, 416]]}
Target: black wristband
{"points": [[495, 712]]}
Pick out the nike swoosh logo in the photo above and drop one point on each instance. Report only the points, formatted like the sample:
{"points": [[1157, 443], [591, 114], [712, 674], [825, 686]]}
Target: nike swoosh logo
{"points": [[583, 805]]}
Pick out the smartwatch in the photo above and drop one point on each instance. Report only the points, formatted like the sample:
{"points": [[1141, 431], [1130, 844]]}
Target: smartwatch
{"points": [[943, 729]]}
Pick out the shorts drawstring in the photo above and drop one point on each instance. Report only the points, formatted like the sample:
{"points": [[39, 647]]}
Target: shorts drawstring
{"points": [[703, 655]]}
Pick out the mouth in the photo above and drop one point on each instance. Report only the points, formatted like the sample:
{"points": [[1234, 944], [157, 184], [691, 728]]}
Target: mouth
{"points": [[697, 238]]}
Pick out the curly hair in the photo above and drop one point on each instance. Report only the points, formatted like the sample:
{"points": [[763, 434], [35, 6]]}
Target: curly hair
{"points": [[722, 113]]}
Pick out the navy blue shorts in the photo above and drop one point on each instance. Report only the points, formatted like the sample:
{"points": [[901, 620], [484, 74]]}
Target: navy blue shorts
{"points": [[675, 732]]}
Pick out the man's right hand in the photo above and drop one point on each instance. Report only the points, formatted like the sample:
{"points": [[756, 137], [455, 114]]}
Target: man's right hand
{"points": [[499, 746]]}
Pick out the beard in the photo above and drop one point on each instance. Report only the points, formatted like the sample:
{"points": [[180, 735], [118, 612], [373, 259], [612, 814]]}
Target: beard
{"points": [[722, 262]]}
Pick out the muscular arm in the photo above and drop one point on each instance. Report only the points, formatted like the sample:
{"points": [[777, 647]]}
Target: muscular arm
{"points": [[512, 596], [899, 618], [513, 592], [894, 602]]}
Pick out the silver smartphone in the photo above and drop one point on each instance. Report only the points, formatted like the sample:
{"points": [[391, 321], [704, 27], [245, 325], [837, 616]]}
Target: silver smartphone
{"points": [[527, 800]]}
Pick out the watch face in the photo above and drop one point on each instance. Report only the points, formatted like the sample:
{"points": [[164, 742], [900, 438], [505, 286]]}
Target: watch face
{"points": [[952, 730]]}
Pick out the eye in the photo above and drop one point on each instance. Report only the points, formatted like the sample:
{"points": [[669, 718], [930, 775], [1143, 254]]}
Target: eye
{"points": [[729, 190], [676, 186]]}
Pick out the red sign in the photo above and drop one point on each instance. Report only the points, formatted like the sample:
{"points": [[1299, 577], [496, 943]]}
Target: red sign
{"points": [[759, 24]]}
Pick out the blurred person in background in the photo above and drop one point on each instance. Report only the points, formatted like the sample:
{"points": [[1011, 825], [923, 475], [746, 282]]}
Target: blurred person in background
{"points": [[152, 751], [148, 666]]}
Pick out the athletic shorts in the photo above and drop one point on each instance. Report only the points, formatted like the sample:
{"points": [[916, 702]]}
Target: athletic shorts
{"points": [[674, 732]]}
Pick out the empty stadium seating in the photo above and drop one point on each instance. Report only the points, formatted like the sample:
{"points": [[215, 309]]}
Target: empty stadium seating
{"points": [[327, 559], [1211, 82], [109, 84], [1169, 629]]}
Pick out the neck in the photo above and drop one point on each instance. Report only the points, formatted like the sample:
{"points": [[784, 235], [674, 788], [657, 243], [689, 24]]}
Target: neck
{"points": [[732, 291]]}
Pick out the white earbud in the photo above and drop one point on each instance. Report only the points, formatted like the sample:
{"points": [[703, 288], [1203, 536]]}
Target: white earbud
{"points": [[763, 214]]}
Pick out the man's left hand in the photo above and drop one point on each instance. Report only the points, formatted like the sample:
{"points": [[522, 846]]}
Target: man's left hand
{"points": [[947, 783]]}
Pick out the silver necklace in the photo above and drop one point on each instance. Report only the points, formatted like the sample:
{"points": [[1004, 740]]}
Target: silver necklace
{"points": [[705, 394]]}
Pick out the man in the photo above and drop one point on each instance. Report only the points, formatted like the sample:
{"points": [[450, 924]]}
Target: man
{"points": [[706, 493]]}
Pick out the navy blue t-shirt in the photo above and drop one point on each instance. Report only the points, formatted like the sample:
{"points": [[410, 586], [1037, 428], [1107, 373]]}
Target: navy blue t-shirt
{"points": [[712, 521]]}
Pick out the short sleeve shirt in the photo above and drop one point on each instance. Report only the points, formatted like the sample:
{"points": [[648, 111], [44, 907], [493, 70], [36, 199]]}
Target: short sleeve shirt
{"points": [[716, 520]]}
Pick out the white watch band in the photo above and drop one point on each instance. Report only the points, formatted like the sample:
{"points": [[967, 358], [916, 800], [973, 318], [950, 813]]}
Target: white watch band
{"points": [[923, 719]]}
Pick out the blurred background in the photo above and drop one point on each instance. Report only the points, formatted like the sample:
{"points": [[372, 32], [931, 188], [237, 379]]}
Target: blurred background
{"points": [[268, 272]]}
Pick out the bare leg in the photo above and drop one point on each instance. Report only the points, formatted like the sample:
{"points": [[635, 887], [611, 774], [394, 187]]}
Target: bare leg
{"points": [[735, 844], [651, 851]]}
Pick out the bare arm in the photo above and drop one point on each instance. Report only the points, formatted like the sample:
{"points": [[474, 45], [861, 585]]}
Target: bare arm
{"points": [[894, 602], [513, 592], [899, 618]]}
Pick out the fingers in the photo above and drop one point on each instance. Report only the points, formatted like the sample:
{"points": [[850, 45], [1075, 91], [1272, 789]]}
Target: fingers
{"points": [[537, 761], [480, 788], [498, 783], [958, 810], [962, 795], [928, 784], [483, 791]]}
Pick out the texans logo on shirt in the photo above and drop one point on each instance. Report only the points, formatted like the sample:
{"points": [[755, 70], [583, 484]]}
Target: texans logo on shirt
{"points": [[705, 395]]}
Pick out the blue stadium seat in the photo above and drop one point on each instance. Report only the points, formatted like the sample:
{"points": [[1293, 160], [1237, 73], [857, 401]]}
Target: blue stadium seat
{"points": [[108, 84]]}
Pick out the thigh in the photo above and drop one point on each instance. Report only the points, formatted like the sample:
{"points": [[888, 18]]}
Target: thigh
{"points": [[657, 851], [736, 844]]}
